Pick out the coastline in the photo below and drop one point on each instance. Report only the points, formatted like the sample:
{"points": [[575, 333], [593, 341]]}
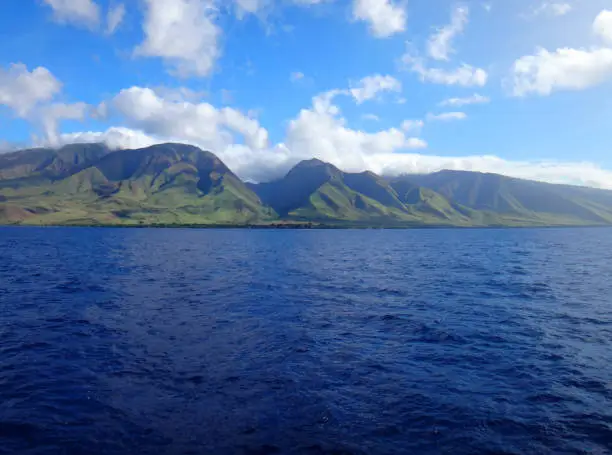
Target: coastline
{"points": [[303, 226]]}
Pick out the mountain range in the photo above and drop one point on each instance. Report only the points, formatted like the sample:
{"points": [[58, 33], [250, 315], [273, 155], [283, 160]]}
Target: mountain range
{"points": [[177, 184]]}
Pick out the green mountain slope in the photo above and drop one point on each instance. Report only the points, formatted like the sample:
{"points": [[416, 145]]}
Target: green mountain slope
{"points": [[496, 199], [38, 166], [314, 190], [167, 183], [181, 184]]}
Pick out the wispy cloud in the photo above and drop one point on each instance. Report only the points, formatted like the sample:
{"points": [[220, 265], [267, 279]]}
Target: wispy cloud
{"points": [[369, 87], [446, 116], [551, 9], [296, 76], [440, 44], [458, 102], [566, 68]]}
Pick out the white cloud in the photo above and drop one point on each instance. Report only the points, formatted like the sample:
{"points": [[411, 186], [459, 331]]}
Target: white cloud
{"points": [[310, 2], [99, 112], [446, 116], [413, 125], [440, 45], [51, 115], [244, 7], [602, 26], [369, 87], [322, 133], [179, 94], [296, 76], [371, 117], [550, 9], [318, 131], [474, 99], [563, 69], [263, 165], [77, 12], [116, 138], [183, 33], [202, 123], [7, 147], [21, 90], [465, 75], [576, 173], [29, 95], [385, 18], [114, 17]]}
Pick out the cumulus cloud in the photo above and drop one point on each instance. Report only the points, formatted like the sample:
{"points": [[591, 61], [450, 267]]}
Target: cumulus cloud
{"points": [[440, 45], [114, 17], [369, 87], [272, 163], [116, 138], [384, 17], [29, 94], [602, 27], [319, 131], [213, 128], [179, 94], [183, 33], [458, 102], [21, 90], [84, 13], [575, 173], [564, 69]]}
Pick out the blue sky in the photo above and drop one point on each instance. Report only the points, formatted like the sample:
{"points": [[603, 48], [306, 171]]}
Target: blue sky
{"points": [[519, 87]]}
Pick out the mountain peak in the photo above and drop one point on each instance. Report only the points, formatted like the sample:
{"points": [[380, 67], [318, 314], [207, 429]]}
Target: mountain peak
{"points": [[315, 165], [175, 147], [313, 162]]}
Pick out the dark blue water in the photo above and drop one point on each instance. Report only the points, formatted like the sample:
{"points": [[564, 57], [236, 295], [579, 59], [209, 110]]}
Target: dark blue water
{"points": [[129, 341]]}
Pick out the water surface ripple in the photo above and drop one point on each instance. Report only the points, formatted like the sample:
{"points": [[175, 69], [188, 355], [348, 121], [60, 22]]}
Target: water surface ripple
{"points": [[155, 341]]}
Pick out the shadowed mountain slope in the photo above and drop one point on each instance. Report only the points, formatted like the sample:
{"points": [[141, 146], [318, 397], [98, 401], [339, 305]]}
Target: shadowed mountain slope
{"points": [[320, 191], [182, 184], [166, 183], [538, 202]]}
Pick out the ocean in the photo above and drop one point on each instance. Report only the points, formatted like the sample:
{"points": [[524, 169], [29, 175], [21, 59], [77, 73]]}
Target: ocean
{"points": [[187, 341]]}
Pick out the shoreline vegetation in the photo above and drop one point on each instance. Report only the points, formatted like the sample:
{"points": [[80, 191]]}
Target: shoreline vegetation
{"points": [[298, 226]]}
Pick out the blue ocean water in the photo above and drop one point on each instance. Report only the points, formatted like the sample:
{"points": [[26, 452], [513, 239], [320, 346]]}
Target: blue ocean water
{"points": [[177, 341]]}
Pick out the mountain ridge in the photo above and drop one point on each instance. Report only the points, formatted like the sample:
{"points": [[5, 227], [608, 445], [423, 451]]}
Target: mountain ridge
{"points": [[178, 184]]}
